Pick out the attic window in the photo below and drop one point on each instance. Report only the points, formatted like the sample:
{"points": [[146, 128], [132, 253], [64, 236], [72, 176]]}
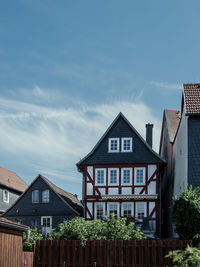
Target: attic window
{"points": [[113, 145], [45, 196], [35, 196], [5, 196], [126, 144]]}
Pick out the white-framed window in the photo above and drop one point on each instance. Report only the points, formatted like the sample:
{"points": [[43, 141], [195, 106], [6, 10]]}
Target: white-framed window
{"points": [[126, 144], [46, 223], [113, 145], [99, 211], [126, 174], [6, 196], [113, 208], [141, 210], [45, 196], [100, 176], [127, 209], [113, 176], [35, 196], [139, 176]]}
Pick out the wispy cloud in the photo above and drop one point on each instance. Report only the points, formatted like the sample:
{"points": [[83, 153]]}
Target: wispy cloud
{"points": [[169, 86], [51, 140]]}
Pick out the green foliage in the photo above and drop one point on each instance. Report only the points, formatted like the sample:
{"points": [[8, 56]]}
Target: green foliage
{"points": [[110, 229], [190, 257], [34, 235], [186, 214]]}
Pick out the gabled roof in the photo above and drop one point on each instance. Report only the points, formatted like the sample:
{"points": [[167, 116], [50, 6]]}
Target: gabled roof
{"points": [[68, 198], [96, 147], [191, 97], [12, 180]]}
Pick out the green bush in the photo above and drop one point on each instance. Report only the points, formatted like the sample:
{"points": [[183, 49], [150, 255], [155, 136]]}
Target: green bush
{"points": [[34, 235], [186, 214], [190, 257], [110, 229]]}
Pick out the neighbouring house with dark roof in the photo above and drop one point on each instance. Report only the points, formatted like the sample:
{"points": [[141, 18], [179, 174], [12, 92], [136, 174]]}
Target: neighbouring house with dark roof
{"points": [[11, 187], [180, 147], [44, 205], [121, 175]]}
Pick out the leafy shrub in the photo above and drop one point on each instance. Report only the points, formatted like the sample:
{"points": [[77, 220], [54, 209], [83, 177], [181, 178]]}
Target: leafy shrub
{"points": [[190, 257], [186, 214], [110, 229], [34, 235]]}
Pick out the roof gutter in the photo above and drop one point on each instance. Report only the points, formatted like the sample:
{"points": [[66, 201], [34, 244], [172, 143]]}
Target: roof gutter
{"points": [[14, 226]]}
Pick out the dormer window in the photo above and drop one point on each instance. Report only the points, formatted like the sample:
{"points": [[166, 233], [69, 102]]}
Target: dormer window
{"points": [[5, 196], [113, 145], [126, 144]]}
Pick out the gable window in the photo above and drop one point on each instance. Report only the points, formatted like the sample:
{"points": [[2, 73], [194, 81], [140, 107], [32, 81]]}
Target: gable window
{"points": [[45, 196], [5, 196], [113, 176], [126, 144], [140, 210], [127, 209], [139, 176], [126, 176], [100, 176], [99, 208], [113, 208], [35, 196], [113, 145]]}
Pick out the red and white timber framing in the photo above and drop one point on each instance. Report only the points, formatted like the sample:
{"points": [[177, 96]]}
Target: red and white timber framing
{"points": [[132, 193]]}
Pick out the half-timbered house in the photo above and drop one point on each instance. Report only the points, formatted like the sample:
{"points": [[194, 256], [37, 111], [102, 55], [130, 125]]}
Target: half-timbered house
{"points": [[121, 175]]}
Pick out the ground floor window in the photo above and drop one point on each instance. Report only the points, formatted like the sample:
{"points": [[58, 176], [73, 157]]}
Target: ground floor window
{"points": [[140, 210], [46, 223], [113, 208], [99, 211], [127, 209], [34, 223]]}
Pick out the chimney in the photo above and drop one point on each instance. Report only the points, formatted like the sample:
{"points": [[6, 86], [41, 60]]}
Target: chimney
{"points": [[149, 130]]}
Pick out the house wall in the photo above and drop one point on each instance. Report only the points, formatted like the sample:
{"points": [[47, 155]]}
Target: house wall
{"points": [[194, 151], [13, 195], [25, 211], [181, 156]]}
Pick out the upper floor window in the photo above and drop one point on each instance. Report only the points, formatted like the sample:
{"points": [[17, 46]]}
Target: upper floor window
{"points": [[113, 176], [126, 176], [45, 196], [139, 176], [5, 196], [113, 145], [100, 176], [35, 196], [126, 144]]}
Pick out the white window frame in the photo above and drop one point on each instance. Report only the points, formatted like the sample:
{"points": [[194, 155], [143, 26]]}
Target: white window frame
{"points": [[122, 176], [38, 195], [144, 175], [108, 209], [136, 208], [109, 145], [95, 211], [50, 227], [113, 169], [42, 196], [122, 144], [6, 200], [132, 208], [96, 181]]}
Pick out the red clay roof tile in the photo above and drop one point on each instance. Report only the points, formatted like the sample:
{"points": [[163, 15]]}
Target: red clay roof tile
{"points": [[192, 98]]}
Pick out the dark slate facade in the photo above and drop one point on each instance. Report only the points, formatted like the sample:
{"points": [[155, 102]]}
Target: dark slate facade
{"points": [[13, 196], [59, 207], [194, 151], [141, 153]]}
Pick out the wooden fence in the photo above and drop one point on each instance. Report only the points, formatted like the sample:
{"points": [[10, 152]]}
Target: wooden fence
{"points": [[145, 253], [27, 259]]}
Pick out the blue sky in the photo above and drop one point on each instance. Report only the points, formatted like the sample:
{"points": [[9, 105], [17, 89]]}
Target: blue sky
{"points": [[67, 68]]}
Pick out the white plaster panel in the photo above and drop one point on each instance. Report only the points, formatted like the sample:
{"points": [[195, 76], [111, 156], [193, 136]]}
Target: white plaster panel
{"points": [[138, 190], [90, 171], [89, 189], [89, 206], [126, 190], [151, 170], [151, 207], [113, 191], [102, 191], [152, 188]]}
